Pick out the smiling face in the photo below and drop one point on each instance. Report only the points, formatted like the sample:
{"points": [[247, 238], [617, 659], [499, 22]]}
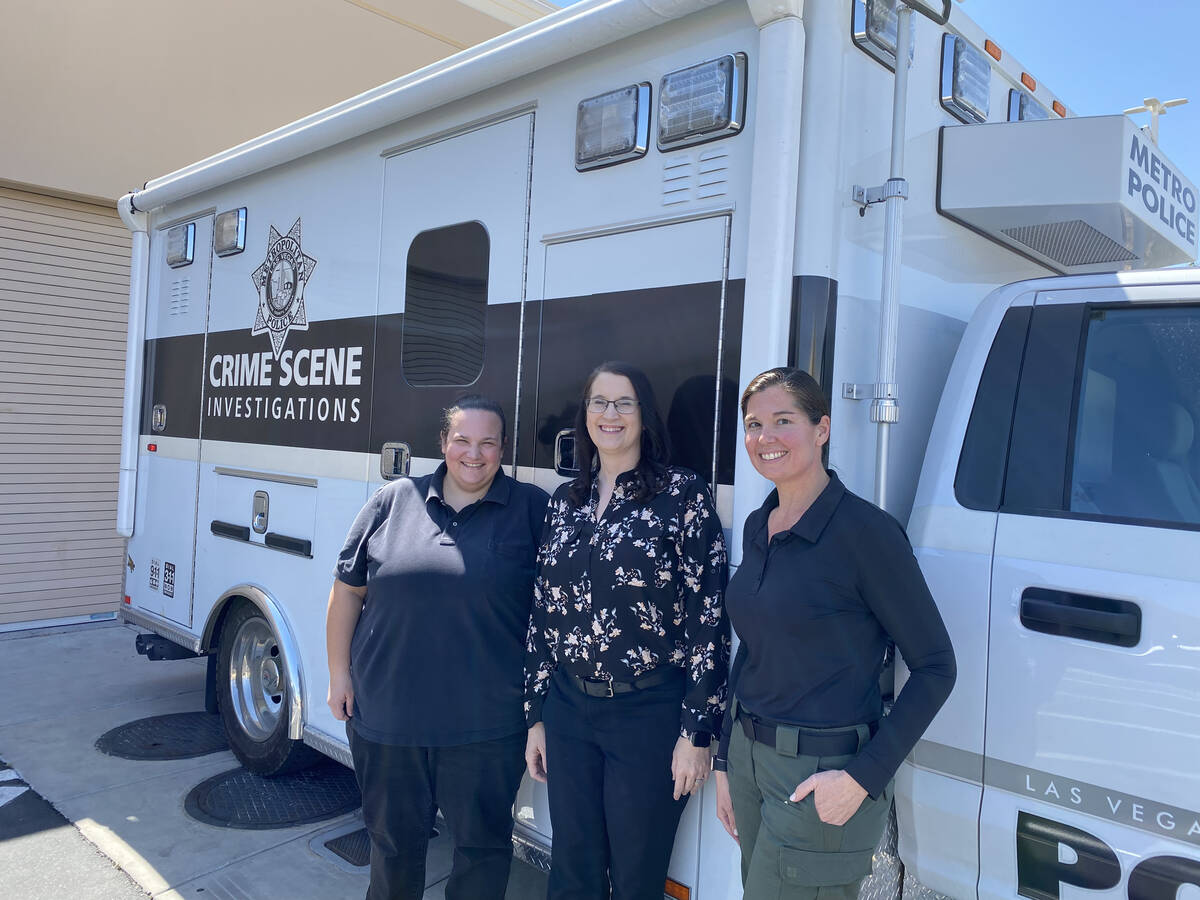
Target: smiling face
{"points": [[615, 435], [783, 445], [472, 446]]}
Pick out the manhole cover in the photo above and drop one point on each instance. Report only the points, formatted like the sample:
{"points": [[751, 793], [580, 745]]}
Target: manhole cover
{"points": [[174, 736], [240, 799], [355, 847]]}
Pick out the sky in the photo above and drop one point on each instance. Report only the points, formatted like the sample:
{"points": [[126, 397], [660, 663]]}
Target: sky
{"points": [[1105, 56]]}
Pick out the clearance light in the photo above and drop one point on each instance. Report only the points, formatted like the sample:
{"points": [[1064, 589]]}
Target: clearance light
{"points": [[966, 80], [702, 102], [181, 245], [229, 232], [992, 50], [676, 891], [1023, 108], [613, 127], [1029, 81], [1060, 109], [127, 600]]}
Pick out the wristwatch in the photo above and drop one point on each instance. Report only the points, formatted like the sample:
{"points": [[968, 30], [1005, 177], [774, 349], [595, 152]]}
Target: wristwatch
{"points": [[699, 738]]}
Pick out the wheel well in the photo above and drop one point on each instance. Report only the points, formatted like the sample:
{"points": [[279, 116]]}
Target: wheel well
{"points": [[256, 598]]}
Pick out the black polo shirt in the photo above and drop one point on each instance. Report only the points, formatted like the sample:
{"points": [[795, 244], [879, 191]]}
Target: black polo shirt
{"points": [[814, 610], [437, 657]]}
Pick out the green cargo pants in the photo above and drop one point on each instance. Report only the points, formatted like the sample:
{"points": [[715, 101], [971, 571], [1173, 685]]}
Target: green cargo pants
{"points": [[788, 853]]}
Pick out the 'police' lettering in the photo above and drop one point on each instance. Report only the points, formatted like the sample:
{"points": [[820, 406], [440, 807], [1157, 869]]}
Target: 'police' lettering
{"points": [[1161, 877], [1040, 871]]}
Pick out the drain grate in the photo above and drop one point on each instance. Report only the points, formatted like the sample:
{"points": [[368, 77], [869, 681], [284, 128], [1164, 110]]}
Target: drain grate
{"points": [[355, 847], [174, 736], [241, 799]]}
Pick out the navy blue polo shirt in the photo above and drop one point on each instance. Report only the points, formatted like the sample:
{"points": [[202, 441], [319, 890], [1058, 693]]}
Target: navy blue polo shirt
{"points": [[814, 608], [437, 657]]}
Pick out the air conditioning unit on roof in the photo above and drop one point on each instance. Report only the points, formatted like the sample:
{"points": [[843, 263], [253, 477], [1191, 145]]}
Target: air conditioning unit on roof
{"points": [[1078, 195]]}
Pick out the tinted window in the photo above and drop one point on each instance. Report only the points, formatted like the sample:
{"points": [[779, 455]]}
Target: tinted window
{"points": [[445, 306], [1041, 432], [979, 481], [1135, 453]]}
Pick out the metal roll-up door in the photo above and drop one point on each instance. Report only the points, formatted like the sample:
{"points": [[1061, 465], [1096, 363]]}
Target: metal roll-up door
{"points": [[64, 295]]}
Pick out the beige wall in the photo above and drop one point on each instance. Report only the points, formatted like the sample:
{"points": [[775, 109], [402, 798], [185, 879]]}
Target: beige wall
{"points": [[100, 96]]}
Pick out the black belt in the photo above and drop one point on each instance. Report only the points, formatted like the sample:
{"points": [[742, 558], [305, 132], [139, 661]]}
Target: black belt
{"points": [[606, 687], [810, 742]]}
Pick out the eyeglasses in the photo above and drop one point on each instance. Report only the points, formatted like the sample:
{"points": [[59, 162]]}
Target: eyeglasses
{"points": [[625, 406]]}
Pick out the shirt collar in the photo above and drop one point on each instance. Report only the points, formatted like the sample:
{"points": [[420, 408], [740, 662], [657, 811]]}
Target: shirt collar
{"points": [[499, 492], [815, 518]]}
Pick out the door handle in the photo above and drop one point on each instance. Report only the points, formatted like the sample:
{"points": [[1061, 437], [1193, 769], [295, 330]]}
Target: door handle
{"points": [[394, 458], [1066, 614]]}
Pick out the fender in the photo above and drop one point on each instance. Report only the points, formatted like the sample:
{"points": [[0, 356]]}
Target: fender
{"points": [[270, 608]]}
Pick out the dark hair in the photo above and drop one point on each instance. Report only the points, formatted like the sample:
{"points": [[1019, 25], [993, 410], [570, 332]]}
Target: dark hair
{"points": [[651, 470], [472, 401], [802, 388]]}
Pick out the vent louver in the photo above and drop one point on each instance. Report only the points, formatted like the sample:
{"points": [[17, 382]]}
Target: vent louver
{"points": [[1074, 243]]}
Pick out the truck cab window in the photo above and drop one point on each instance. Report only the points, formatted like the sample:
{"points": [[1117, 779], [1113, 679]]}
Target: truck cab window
{"points": [[1136, 454], [445, 306]]}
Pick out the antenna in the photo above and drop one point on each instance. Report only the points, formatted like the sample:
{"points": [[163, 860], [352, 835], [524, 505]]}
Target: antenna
{"points": [[1156, 108]]}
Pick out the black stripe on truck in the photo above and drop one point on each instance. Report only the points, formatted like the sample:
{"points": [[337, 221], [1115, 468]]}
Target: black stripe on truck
{"points": [[252, 396]]}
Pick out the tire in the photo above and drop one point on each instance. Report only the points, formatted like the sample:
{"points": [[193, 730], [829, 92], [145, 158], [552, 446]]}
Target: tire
{"points": [[252, 696]]}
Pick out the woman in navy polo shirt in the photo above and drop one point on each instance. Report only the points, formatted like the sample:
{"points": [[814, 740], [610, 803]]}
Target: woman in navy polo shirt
{"points": [[425, 634], [826, 579]]}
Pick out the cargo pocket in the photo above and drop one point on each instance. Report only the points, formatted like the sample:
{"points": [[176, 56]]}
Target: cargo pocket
{"points": [[821, 868]]}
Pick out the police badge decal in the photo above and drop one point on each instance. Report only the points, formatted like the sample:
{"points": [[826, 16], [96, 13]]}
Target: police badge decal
{"points": [[280, 282]]}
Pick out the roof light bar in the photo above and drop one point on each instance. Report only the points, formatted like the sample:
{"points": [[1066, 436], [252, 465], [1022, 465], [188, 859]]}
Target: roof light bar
{"points": [[702, 102], [966, 80], [612, 128], [181, 245]]}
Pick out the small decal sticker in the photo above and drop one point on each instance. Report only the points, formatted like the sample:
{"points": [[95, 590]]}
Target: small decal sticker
{"points": [[155, 574], [168, 580], [129, 563]]}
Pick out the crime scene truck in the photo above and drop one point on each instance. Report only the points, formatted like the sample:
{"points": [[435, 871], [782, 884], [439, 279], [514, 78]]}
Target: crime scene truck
{"points": [[875, 191]]}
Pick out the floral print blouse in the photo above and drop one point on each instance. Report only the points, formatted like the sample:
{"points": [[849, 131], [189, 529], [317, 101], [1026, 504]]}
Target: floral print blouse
{"points": [[640, 588]]}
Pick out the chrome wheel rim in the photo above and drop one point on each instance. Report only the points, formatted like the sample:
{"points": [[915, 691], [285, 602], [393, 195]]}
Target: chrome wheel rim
{"points": [[256, 679]]}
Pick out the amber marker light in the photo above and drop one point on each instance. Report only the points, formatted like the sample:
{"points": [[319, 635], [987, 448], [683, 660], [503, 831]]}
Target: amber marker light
{"points": [[676, 891], [1059, 108], [992, 50], [1028, 81]]}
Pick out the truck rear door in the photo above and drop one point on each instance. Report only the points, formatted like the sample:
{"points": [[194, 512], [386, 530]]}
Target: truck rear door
{"points": [[1093, 684]]}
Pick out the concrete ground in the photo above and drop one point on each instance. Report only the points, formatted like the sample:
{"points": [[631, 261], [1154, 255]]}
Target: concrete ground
{"points": [[65, 687]]}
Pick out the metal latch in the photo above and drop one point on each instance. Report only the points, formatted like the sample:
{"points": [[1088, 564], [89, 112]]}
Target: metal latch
{"points": [[565, 461], [394, 459], [262, 504], [158, 417]]}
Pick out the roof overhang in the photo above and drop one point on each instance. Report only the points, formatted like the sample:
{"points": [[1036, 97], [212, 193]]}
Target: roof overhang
{"points": [[1078, 195]]}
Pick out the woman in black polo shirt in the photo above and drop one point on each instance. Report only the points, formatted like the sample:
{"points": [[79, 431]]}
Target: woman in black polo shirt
{"points": [[426, 637], [628, 647], [826, 579]]}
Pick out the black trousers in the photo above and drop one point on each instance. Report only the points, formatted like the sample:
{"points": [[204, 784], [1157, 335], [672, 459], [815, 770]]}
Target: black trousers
{"points": [[610, 790], [402, 789]]}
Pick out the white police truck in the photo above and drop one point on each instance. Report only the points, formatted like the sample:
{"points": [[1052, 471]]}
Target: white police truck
{"points": [[708, 188]]}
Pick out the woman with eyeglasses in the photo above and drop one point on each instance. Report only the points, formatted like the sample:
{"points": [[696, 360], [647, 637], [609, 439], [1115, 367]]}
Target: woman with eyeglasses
{"points": [[628, 647]]}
